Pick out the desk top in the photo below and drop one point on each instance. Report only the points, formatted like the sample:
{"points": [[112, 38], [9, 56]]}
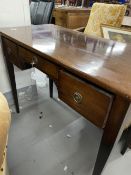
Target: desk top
{"points": [[103, 62]]}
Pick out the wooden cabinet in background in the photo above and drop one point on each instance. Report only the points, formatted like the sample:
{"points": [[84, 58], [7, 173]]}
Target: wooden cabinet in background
{"points": [[71, 17]]}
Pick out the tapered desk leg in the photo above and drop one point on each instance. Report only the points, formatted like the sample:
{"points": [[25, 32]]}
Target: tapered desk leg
{"points": [[103, 154], [13, 84], [127, 141], [51, 87], [115, 119]]}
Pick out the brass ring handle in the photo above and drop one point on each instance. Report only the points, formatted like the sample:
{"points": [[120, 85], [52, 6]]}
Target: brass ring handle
{"points": [[77, 97], [9, 50], [34, 60]]}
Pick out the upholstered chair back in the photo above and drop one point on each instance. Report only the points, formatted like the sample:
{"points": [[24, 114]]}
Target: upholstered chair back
{"points": [[108, 14]]}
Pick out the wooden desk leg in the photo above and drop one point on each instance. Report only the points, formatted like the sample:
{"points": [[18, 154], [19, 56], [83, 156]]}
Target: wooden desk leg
{"points": [[115, 119], [13, 84], [127, 141], [51, 87]]}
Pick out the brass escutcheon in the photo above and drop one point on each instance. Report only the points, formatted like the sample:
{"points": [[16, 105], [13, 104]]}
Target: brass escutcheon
{"points": [[77, 97]]}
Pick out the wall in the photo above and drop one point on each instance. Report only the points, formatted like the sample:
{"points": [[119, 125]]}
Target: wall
{"points": [[13, 13]]}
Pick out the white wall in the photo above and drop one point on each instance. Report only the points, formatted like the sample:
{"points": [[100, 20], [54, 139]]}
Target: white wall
{"points": [[13, 13]]}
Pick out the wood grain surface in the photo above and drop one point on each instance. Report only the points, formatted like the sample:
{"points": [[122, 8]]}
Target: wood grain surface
{"points": [[103, 62]]}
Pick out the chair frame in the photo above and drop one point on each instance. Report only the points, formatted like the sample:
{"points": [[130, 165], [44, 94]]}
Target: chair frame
{"points": [[53, 5]]}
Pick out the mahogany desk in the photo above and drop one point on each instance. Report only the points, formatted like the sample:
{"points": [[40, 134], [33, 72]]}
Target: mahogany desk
{"points": [[93, 76]]}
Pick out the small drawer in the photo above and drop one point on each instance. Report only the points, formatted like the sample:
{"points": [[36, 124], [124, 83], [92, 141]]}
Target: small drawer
{"points": [[27, 56], [39, 62], [10, 51], [93, 103]]}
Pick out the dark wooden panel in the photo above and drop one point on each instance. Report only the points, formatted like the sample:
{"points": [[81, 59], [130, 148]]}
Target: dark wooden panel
{"points": [[10, 51], [39, 62], [88, 100]]}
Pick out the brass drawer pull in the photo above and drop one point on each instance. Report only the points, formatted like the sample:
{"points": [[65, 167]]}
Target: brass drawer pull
{"points": [[77, 97], [9, 50]]}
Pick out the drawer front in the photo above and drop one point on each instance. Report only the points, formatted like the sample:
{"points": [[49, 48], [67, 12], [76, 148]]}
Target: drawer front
{"points": [[40, 63], [61, 19], [10, 51], [86, 99]]}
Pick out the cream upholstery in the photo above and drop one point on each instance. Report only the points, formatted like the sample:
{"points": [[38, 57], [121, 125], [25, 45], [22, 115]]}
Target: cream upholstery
{"points": [[4, 126], [4, 168], [108, 14]]}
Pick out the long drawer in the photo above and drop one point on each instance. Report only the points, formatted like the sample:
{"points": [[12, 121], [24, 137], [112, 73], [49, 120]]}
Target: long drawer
{"points": [[93, 103], [39, 62]]}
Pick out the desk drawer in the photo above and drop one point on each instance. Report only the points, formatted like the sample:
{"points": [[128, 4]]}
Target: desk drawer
{"points": [[10, 51], [93, 103], [40, 63], [60, 18]]}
